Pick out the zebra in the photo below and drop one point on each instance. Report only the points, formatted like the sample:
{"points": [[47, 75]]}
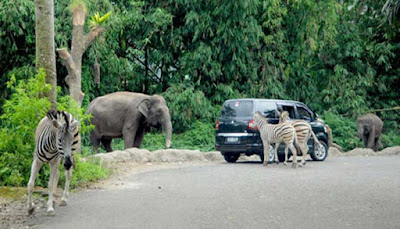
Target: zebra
{"points": [[275, 134], [56, 138], [303, 132]]}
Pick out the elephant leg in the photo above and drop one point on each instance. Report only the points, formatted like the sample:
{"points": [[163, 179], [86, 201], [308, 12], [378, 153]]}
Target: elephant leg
{"points": [[371, 138], [129, 136], [376, 144], [107, 144], [95, 142], [139, 137]]}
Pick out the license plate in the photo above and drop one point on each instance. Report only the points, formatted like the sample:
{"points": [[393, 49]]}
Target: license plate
{"points": [[232, 139]]}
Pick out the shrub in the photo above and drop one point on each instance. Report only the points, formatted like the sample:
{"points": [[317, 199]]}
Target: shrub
{"points": [[188, 105], [344, 130], [200, 136]]}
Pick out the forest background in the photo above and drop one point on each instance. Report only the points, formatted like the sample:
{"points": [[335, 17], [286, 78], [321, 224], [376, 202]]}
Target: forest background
{"points": [[339, 57]]}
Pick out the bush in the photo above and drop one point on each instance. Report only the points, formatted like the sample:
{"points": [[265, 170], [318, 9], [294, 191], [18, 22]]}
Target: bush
{"points": [[200, 136], [188, 105], [21, 115], [344, 130]]}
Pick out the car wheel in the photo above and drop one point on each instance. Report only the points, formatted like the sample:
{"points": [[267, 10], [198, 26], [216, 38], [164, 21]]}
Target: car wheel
{"points": [[281, 157], [320, 153], [271, 157], [231, 158]]}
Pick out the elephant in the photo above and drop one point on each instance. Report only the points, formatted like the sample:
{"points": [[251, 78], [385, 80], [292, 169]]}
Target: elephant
{"points": [[369, 130], [128, 115]]}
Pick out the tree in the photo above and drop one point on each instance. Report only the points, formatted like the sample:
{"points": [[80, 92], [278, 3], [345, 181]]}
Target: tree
{"points": [[45, 48], [80, 43]]}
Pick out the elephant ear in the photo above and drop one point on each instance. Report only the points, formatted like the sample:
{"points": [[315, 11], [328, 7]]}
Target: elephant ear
{"points": [[144, 107]]}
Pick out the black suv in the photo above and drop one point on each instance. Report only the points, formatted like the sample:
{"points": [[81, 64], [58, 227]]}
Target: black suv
{"points": [[237, 135]]}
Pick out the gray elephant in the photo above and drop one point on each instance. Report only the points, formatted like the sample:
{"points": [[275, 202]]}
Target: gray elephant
{"points": [[369, 130], [128, 115]]}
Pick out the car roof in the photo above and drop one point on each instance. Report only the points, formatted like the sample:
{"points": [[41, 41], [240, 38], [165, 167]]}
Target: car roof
{"points": [[267, 100]]}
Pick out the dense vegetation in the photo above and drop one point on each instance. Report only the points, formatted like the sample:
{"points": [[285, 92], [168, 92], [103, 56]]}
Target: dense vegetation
{"points": [[339, 57]]}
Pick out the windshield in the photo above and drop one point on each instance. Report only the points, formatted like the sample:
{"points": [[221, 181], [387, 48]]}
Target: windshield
{"points": [[237, 109]]}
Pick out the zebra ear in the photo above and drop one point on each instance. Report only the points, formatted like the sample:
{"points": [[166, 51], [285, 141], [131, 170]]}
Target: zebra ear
{"points": [[56, 124], [73, 125]]}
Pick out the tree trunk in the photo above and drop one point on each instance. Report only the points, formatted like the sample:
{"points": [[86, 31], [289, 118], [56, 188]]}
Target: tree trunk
{"points": [[73, 61], [45, 51]]}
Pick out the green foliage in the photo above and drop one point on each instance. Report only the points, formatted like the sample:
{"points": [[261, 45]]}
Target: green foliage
{"points": [[187, 105], [96, 20], [86, 172], [200, 136], [344, 130]]}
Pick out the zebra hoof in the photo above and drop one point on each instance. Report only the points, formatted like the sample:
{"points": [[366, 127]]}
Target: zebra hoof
{"points": [[31, 210], [277, 162], [265, 164], [294, 166], [63, 203], [50, 212], [285, 163]]}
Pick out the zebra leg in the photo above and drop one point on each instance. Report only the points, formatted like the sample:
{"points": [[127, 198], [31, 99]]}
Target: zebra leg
{"points": [[294, 152], [286, 155], [53, 173], [36, 165], [266, 154], [304, 150], [276, 153], [68, 174]]}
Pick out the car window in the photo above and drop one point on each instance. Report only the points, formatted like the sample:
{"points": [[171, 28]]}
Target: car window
{"points": [[268, 109], [289, 109], [237, 109], [304, 113]]}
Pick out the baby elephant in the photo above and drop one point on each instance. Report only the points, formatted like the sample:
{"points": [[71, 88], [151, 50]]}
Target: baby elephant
{"points": [[369, 130]]}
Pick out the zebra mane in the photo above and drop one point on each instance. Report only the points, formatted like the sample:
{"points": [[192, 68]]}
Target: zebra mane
{"points": [[56, 115]]}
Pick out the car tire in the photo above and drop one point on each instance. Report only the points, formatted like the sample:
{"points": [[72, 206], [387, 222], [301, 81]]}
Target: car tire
{"points": [[231, 158], [320, 154], [271, 157], [281, 157]]}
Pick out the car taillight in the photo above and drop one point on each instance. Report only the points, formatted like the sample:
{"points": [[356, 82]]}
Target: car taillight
{"points": [[252, 125], [217, 125]]}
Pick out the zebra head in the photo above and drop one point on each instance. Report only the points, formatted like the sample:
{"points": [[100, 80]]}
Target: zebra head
{"points": [[258, 117], [65, 126]]}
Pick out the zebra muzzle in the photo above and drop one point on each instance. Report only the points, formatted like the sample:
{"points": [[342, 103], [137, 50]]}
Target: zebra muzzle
{"points": [[67, 162]]}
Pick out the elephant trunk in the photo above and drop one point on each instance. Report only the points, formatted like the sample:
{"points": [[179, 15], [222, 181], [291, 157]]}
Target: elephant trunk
{"points": [[168, 129]]}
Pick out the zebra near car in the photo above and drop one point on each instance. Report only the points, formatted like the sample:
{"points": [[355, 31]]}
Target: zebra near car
{"points": [[278, 133], [56, 139]]}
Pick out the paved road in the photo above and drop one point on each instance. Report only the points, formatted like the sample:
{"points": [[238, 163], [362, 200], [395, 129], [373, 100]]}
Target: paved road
{"points": [[346, 192]]}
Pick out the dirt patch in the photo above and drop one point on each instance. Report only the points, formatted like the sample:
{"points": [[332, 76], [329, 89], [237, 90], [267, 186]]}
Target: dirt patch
{"points": [[390, 151]]}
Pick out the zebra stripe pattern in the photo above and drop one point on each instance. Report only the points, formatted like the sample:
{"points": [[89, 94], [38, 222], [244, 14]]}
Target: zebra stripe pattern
{"points": [[56, 138], [275, 134], [48, 146], [303, 132]]}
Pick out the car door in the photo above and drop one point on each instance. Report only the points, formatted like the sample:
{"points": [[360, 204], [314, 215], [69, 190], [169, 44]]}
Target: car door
{"points": [[304, 113]]}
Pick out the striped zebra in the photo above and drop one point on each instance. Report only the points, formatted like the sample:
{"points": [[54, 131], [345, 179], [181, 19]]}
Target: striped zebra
{"points": [[56, 138], [276, 134], [303, 132]]}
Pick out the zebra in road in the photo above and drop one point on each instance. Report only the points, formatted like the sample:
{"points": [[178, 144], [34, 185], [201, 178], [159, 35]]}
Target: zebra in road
{"points": [[56, 138], [276, 134], [303, 133]]}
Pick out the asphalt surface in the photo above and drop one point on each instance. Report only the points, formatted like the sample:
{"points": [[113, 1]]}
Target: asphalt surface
{"points": [[345, 192]]}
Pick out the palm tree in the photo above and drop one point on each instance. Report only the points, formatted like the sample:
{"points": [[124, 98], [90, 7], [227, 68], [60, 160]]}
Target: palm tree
{"points": [[391, 9]]}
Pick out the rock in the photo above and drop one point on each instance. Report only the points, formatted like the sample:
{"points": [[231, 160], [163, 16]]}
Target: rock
{"points": [[395, 150], [360, 152], [334, 152]]}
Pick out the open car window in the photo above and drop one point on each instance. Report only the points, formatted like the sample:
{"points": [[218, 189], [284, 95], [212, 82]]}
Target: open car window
{"points": [[290, 110], [304, 113]]}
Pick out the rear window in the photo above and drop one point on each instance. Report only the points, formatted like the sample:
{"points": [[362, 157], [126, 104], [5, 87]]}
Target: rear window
{"points": [[237, 109]]}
